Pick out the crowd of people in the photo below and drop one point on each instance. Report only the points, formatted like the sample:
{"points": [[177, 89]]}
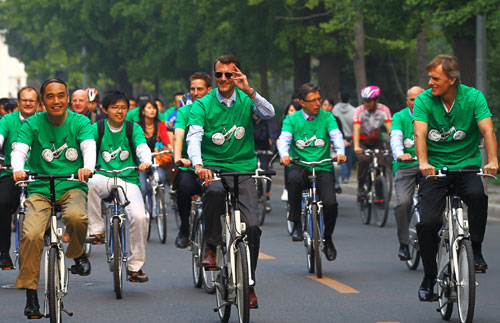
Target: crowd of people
{"points": [[231, 128]]}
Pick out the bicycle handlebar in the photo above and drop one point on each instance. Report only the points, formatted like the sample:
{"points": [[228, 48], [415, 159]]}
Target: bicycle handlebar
{"points": [[258, 172], [116, 171], [370, 152], [445, 171], [313, 163], [160, 152]]}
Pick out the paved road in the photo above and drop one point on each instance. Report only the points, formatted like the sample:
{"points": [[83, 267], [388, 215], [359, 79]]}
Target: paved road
{"points": [[367, 283]]}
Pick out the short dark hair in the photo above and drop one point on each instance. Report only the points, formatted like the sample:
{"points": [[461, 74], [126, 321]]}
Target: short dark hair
{"points": [[329, 99], [295, 104], [28, 87], [50, 81], [177, 93], [344, 97], [158, 99], [307, 88], [202, 76], [3, 101], [449, 64], [227, 59], [113, 96], [10, 106]]}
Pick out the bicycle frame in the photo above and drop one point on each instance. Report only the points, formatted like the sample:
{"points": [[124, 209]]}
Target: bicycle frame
{"points": [[22, 212]]}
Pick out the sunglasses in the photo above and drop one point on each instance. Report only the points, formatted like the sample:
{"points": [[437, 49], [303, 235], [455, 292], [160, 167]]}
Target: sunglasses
{"points": [[227, 74]]}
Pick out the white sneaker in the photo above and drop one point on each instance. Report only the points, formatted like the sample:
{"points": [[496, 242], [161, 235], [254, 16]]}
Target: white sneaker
{"points": [[284, 196]]}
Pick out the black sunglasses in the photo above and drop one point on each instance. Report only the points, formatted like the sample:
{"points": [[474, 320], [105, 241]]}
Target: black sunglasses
{"points": [[227, 74]]}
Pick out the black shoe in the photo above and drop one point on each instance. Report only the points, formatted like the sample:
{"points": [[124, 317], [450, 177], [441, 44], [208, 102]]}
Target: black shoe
{"points": [[404, 252], [329, 249], [32, 309], [297, 234], [426, 290], [338, 190], [81, 266], [182, 240], [6, 261], [268, 206], [480, 265]]}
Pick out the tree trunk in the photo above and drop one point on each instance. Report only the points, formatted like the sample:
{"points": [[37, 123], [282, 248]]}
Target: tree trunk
{"points": [[422, 58], [329, 75], [264, 81], [124, 84], [464, 49], [359, 57], [301, 68]]}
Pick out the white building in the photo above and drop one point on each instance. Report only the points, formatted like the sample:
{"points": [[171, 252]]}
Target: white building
{"points": [[12, 73]]}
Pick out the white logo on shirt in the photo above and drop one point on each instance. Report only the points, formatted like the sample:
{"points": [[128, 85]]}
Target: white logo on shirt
{"points": [[220, 138], [111, 154], [49, 155], [318, 142], [436, 135]]}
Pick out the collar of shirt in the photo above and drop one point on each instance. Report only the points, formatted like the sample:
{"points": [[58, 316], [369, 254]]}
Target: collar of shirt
{"points": [[306, 116], [221, 98], [411, 113]]}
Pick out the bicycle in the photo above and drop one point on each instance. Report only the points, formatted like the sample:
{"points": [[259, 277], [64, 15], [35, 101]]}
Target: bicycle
{"points": [[116, 249], [413, 246], [312, 219], [261, 185], [56, 273], [155, 203], [456, 282], [233, 279], [377, 197]]}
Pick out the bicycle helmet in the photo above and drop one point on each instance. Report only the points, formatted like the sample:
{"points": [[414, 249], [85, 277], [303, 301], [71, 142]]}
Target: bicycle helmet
{"points": [[370, 92]]}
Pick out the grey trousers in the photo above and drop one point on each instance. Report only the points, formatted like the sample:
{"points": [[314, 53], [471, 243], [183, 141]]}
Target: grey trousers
{"points": [[404, 186]]}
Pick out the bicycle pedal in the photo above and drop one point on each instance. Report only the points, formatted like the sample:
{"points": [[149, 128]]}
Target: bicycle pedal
{"points": [[34, 317], [210, 268], [8, 268], [480, 271]]}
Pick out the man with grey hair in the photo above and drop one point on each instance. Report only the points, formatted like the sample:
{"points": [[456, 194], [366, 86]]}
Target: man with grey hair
{"points": [[405, 169], [449, 120], [80, 102]]}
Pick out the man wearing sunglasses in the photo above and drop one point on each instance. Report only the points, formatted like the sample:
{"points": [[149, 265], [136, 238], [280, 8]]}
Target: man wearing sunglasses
{"points": [[221, 137]]}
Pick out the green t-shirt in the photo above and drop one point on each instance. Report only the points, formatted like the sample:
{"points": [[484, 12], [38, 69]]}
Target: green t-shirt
{"points": [[164, 115], [182, 123], [9, 128], [403, 121], [311, 139], [115, 151], [227, 142], [453, 137], [55, 150], [133, 115]]}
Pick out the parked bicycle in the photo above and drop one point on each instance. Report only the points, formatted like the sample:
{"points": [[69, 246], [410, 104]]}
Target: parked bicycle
{"points": [[376, 199], [233, 279], [456, 279]]}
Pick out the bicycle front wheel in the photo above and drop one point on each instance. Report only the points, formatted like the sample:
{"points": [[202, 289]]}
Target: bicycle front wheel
{"points": [[221, 291], [148, 208], [316, 237], [365, 208], [289, 224], [161, 214], [380, 204], [54, 285], [196, 251], [117, 258], [241, 279], [444, 280], [308, 241], [466, 282], [414, 260]]}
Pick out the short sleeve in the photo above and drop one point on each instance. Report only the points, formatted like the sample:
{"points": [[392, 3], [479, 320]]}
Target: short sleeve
{"points": [[138, 135], [182, 118], [481, 110], [85, 129], [287, 125], [419, 110], [355, 116], [396, 122], [197, 114], [4, 129], [25, 134], [331, 122]]}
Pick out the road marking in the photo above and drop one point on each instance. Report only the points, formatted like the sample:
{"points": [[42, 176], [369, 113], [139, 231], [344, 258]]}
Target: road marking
{"points": [[265, 257], [338, 286], [493, 219]]}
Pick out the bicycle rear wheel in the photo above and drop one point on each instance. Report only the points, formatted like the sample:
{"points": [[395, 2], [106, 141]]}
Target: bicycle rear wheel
{"points": [[223, 307], [414, 260], [117, 258], [316, 240], [241, 279], [196, 252], [365, 207], [289, 224], [444, 286], [161, 214], [380, 204], [308, 236], [466, 284], [148, 208], [54, 285]]}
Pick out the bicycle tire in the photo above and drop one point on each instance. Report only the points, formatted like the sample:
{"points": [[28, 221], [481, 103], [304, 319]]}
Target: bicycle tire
{"points": [[444, 288], [148, 209], [208, 276], [466, 284], [308, 242], [87, 248], [175, 210], [117, 258], [413, 247], [221, 291], [380, 201], [365, 209], [289, 224], [242, 279], [53, 285], [161, 214], [196, 253], [316, 240], [20, 225]]}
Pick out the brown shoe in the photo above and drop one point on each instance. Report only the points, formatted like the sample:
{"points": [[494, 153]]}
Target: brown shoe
{"points": [[137, 276], [254, 303], [96, 238], [209, 259]]}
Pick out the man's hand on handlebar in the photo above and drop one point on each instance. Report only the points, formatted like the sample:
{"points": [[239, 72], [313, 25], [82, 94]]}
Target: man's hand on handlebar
{"points": [[491, 168], [185, 162], [204, 174], [19, 176], [405, 157], [426, 169], [340, 159], [144, 167], [84, 174], [285, 161], [358, 150]]}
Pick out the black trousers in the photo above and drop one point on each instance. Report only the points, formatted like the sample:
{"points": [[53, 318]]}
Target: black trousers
{"points": [[214, 206], [432, 193], [325, 184], [186, 186], [364, 161], [9, 201], [264, 165]]}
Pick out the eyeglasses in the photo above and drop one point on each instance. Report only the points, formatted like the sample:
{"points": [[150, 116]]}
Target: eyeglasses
{"points": [[28, 101], [313, 100], [115, 107], [228, 75]]}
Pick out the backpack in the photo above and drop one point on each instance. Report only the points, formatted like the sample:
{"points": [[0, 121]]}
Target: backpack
{"points": [[129, 128]]}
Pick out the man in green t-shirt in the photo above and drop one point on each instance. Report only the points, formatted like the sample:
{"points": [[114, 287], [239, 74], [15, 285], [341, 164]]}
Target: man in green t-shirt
{"points": [[306, 135], [221, 137], [186, 182], [405, 169], [27, 100], [449, 120], [61, 142], [115, 153]]}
